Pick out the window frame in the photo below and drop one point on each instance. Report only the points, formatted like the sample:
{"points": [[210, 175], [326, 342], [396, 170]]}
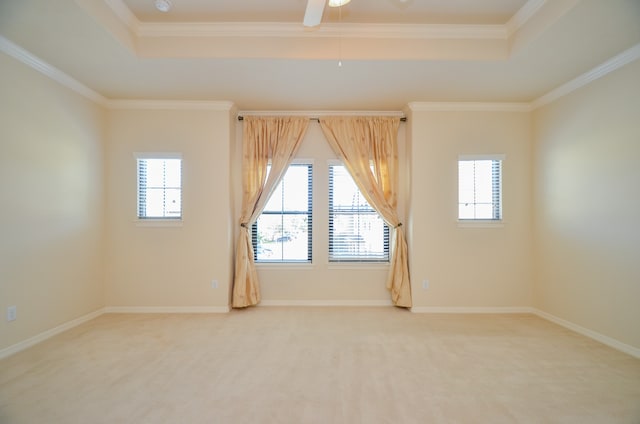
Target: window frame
{"points": [[254, 227], [330, 234], [496, 193], [158, 220]]}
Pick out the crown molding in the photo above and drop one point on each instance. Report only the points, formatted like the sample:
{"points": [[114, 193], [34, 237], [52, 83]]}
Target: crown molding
{"points": [[468, 107], [414, 31], [297, 30], [328, 30], [347, 30], [630, 55], [10, 48], [285, 29], [170, 104], [123, 13], [523, 15]]}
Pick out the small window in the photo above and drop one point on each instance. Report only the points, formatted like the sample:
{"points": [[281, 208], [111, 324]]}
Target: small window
{"points": [[480, 188], [357, 233], [159, 187], [282, 232]]}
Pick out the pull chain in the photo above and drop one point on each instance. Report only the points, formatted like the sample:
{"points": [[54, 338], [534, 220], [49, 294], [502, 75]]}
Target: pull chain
{"points": [[340, 37]]}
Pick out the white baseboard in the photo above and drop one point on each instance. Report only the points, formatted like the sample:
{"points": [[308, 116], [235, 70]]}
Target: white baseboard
{"points": [[354, 302], [616, 344], [8, 351], [472, 310], [623, 347], [166, 309]]}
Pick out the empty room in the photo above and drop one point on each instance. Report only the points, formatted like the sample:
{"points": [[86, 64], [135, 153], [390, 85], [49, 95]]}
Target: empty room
{"points": [[319, 211]]}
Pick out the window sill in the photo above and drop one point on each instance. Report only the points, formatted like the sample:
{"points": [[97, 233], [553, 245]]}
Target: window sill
{"points": [[480, 223], [358, 265], [284, 265], [158, 222]]}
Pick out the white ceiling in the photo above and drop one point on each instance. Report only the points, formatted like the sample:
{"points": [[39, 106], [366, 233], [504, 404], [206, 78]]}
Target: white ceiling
{"points": [[257, 54], [397, 11]]}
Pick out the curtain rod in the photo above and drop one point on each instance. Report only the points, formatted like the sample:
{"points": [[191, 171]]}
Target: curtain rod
{"points": [[402, 119]]}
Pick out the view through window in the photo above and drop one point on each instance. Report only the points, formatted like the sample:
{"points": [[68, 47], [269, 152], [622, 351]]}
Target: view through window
{"points": [[479, 189], [282, 233], [159, 188]]}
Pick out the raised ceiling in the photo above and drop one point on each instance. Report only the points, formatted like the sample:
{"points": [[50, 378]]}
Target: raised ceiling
{"points": [[258, 55], [361, 11]]}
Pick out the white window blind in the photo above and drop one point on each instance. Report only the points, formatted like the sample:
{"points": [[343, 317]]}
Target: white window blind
{"points": [[357, 233], [282, 232], [480, 188], [159, 187]]}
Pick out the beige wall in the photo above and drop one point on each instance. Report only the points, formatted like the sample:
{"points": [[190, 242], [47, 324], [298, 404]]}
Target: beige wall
{"points": [[587, 197], [319, 281], [469, 267], [170, 266], [51, 191]]}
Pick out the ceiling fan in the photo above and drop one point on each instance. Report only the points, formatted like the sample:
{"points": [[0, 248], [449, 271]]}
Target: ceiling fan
{"points": [[315, 9]]}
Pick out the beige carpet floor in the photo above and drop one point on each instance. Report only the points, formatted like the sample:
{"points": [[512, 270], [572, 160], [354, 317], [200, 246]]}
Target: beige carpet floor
{"points": [[319, 365]]}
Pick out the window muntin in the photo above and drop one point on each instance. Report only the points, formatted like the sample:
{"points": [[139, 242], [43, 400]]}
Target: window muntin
{"points": [[357, 233], [159, 187], [282, 232], [480, 188]]}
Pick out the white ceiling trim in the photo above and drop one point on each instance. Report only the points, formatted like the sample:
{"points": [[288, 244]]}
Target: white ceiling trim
{"points": [[345, 30], [10, 48], [283, 29], [171, 104], [630, 55], [521, 17], [124, 13], [189, 39], [468, 107]]}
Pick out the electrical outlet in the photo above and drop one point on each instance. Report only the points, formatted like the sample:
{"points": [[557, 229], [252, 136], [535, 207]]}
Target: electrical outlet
{"points": [[12, 313], [214, 284], [425, 284]]}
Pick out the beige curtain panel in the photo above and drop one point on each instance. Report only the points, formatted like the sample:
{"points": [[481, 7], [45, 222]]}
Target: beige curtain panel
{"points": [[265, 139], [361, 142]]}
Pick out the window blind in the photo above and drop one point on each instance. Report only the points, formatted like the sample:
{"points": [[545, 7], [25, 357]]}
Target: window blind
{"points": [[159, 188], [479, 189], [357, 233]]}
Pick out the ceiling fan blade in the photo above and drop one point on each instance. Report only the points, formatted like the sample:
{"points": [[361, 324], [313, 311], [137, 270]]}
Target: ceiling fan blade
{"points": [[313, 14]]}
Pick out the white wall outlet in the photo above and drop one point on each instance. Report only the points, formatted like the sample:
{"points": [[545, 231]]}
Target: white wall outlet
{"points": [[214, 284], [12, 313], [425, 284]]}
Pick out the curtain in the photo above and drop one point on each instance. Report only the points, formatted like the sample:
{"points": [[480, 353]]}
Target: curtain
{"points": [[265, 139], [360, 142]]}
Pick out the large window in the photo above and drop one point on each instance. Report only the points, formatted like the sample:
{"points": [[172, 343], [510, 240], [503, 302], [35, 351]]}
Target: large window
{"points": [[282, 233], [480, 188], [159, 186], [356, 232]]}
